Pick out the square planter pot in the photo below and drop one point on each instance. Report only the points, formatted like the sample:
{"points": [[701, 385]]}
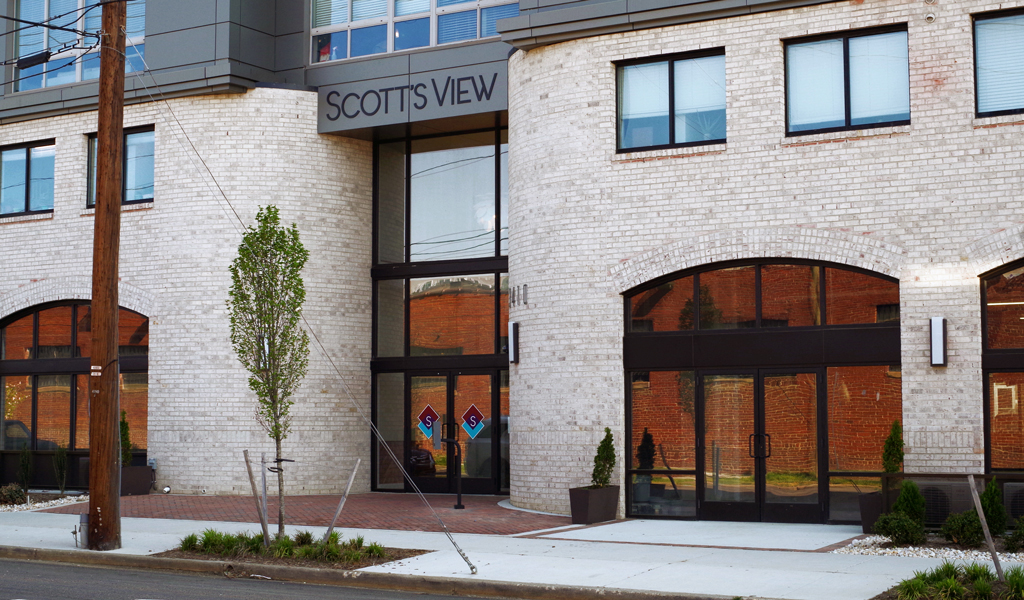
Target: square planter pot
{"points": [[593, 506], [136, 481], [870, 510]]}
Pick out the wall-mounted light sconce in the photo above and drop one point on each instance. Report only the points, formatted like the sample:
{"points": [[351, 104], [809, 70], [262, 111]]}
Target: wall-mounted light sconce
{"points": [[938, 330], [513, 342]]}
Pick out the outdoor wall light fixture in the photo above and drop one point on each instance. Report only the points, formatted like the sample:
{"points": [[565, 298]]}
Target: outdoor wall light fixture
{"points": [[167, 489], [938, 331], [513, 342]]}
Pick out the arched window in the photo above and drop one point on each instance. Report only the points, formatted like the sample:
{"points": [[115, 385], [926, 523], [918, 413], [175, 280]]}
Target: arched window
{"points": [[44, 366], [760, 390]]}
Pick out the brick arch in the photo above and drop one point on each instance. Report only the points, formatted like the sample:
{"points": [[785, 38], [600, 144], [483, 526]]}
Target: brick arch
{"points": [[996, 249], [855, 250], [71, 288]]}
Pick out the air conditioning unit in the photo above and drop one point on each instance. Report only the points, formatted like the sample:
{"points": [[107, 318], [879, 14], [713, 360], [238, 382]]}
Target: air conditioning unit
{"points": [[1013, 499], [942, 498]]}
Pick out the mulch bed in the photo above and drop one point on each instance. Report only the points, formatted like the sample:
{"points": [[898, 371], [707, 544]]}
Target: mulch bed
{"points": [[393, 555]]}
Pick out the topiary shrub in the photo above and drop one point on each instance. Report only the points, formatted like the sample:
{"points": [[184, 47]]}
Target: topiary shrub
{"points": [[604, 462], [910, 502], [892, 451], [12, 494], [126, 441], [900, 529], [963, 529], [992, 506]]}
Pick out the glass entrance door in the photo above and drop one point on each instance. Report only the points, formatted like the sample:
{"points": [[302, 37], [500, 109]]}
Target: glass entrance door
{"points": [[759, 442], [452, 431]]}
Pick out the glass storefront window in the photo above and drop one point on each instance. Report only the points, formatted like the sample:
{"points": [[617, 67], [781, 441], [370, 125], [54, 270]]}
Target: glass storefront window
{"points": [[134, 395], [790, 296], [844, 496], [16, 416], [412, 34], [664, 495], [53, 424], [17, 339], [668, 307], [1004, 310], [863, 402], [854, 297], [389, 419], [55, 332], [1006, 420], [727, 298], [451, 315], [391, 317], [662, 423]]}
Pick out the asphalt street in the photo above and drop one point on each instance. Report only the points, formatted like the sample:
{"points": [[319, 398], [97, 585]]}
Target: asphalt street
{"points": [[25, 580]]}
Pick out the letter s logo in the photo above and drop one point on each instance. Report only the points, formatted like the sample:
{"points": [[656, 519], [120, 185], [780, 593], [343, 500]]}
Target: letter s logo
{"points": [[330, 102]]}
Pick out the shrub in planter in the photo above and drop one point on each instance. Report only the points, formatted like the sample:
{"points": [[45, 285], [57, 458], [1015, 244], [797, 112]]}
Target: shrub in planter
{"points": [[597, 502], [900, 529], [963, 529], [910, 502], [12, 494], [992, 506]]}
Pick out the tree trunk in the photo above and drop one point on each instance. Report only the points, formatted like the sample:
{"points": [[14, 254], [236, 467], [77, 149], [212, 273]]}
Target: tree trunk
{"points": [[280, 491]]}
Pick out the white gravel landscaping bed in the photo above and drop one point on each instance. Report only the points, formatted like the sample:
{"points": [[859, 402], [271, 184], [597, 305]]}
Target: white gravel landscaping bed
{"points": [[48, 504], [873, 545]]}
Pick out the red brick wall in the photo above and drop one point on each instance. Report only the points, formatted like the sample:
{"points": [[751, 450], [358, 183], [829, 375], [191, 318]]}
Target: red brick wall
{"points": [[854, 297], [1006, 409]]}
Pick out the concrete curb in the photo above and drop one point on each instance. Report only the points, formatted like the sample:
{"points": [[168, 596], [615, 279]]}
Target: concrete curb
{"points": [[450, 586]]}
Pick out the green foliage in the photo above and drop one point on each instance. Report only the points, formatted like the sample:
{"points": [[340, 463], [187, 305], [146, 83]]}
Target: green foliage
{"points": [[912, 589], [12, 494], [645, 451], [1015, 541], [910, 502], [949, 589], [282, 547], [303, 538], [604, 462], [963, 529], [975, 572], [992, 506], [189, 543], [892, 450], [900, 529], [60, 467], [357, 542], [982, 590], [375, 550], [1014, 582], [265, 308], [215, 542], [126, 441], [25, 466], [946, 570]]}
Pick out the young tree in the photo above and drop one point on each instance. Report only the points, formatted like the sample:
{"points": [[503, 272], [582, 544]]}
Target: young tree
{"points": [[265, 304]]}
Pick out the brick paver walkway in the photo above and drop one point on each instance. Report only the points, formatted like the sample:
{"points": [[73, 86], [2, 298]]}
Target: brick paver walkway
{"points": [[364, 511]]}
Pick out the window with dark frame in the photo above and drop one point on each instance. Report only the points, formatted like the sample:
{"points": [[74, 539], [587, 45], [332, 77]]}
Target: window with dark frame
{"points": [[855, 80], [26, 178], [999, 63], [1002, 361], [138, 163], [669, 102]]}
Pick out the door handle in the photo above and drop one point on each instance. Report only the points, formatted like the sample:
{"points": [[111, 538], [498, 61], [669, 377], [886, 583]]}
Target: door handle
{"points": [[750, 445], [769, 437]]}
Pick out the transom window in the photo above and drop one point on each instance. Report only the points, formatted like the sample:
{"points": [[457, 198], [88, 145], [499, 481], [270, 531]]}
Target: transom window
{"points": [[999, 63], [349, 29], [74, 47], [855, 80], [669, 102], [138, 154], [26, 178]]}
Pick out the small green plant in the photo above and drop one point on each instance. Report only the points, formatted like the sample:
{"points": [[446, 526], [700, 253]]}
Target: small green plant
{"points": [[25, 465], [975, 573], [1015, 540], [963, 529], [900, 529], [303, 538], [912, 589], [12, 494], [375, 550], [946, 570], [1014, 583], [212, 542], [189, 543], [604, 462], [60, 467], [126, 441], [992, 506], [910, 502], [334, 538], [949, 589], [892, 450], [283, 547], [982, 590]]}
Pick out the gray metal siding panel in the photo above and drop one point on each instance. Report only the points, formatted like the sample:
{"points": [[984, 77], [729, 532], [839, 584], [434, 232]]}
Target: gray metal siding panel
{"points": [[180, 48], [163, 16], [460, 56], [583, 12], [346, 72], [290, 51], [291, 19], [256, 48], [259, 15]]}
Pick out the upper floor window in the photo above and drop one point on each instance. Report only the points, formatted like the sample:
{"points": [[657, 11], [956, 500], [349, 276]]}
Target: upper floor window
{"points": [[344, 29], [999, 64], [26, 178], [137, 182], [74, 49], [672, 102], [850, 81]]}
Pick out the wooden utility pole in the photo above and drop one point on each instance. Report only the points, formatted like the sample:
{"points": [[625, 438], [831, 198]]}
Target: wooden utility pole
{"points": [[104, 425]]}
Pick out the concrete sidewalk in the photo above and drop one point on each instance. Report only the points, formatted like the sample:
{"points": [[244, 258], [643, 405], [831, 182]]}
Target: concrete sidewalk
{"points": [[698, 558]]}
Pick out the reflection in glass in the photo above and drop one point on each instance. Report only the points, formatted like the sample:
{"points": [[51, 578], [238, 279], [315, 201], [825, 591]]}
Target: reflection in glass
{"points": [[368, 9], [727, 298], [503, 433], [664, 495], [12, 175], [844, 494], [134, 395], [16, 416], [456, 27], [55, 332], [452, 204], [53, 419], [330, 46], [503, 186], [412, 34], [503, 314], [490, 16], [1006, 420], [83, 331], [1004, 310], [700, 99], [879, 78], [138, 168], [815, 86], [370, 40], [135, 58], [132, 334], [790, 296], [862, 404], [473, 416], [853, 297], [999, 56], [427, 455], [411, 7], [390, 422], [391, 317], [391, 203], [668, 307], [17, 339], [81, 412], [791, 425], [41, 178], [643, 105], [662, 414], [728, 425], [451, 315], [61, 71], [91, 66]]}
